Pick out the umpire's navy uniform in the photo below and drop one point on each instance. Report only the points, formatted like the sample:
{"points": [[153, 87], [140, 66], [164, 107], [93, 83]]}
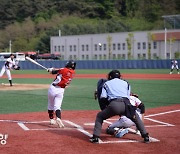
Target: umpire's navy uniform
{"points": [[117, 93]]}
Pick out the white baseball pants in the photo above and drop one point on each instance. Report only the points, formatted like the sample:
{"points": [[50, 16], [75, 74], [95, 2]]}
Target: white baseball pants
{"points": [[8, 72], [55, 97], [124, 122]]}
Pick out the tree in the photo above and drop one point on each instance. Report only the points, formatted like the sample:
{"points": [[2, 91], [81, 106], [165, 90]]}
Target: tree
{"points": [[109, 43], [130, 43], [150, 38]]}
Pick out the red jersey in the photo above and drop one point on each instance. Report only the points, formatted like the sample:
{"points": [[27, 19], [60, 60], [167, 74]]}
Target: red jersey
{"points": [[64, 77]]}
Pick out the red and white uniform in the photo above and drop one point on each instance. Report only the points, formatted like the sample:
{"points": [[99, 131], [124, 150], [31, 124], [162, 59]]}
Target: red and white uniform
{"points": [[10, 62], [56, 89]]}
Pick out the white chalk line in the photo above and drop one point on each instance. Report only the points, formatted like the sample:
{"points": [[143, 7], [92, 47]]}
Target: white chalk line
{"points": [[157, 121], [23, 126], [157, 114], [138, 133]]}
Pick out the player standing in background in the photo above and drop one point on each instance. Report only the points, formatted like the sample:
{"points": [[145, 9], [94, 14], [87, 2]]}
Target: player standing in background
{"points": [[119, 128], [9, 65], [117, 92], [56, 90], [174, 65]]}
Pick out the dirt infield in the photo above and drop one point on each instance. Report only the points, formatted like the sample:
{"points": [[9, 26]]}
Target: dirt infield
{"points": [[97, 76], [16, 86], [31, 133]]}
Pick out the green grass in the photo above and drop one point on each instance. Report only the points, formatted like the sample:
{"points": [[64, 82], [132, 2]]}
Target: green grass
{"points": [[100, 71], [79, 95]]}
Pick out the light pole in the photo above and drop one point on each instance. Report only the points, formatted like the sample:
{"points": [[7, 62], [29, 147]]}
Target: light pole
{"points": [[10, 46], [165, 42]]}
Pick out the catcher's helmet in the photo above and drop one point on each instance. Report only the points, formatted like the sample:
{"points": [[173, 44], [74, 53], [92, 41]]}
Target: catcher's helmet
{"points": [[114, 74], [71, 64]]}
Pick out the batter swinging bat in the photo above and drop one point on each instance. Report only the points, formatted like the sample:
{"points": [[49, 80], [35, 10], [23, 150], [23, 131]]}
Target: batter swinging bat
{"points": [[33, 61]]}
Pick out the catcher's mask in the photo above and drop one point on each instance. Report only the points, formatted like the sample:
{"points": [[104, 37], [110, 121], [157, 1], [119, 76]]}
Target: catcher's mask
{"points": [[114, 74], [71, 64]]}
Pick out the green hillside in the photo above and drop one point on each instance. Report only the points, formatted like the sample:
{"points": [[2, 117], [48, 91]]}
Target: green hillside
{"points": [[30, 23]]}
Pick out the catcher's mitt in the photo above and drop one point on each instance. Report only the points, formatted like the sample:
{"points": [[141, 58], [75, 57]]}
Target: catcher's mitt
{"points": [[16, 67]]}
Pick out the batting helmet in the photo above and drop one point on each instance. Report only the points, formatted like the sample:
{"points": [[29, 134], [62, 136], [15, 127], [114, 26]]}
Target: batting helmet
{"points": [[114, 74], [71, 64]]}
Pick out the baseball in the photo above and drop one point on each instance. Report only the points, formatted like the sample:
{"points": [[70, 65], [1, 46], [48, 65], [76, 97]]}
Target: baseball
{"points": [[100, 44]]}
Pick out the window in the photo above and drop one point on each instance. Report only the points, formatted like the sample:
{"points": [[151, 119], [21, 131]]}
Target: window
{"points": [[87, 47], [62, 57], [82, 57], [104, 47], [70, 48], [82, 47], [124, 45], [105, 56], [95, 56], [139, 56], [74, 56], [119, 56], [119, 46], [114, 46], [59, 48], [114, 56], [100, 47], [70, 57], [87, 57], [74, 47], [95, 47], [100, 57], [144, 55], [63, 48], [144, 45], [155, 45], [154, 56], [55, 48], [138, 45], [123, 56]]}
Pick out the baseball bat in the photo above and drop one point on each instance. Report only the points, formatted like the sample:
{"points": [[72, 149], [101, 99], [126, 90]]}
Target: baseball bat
{"points": [[33, 61]]}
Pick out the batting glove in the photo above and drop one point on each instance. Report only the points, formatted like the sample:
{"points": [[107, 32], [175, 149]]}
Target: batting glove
{"points": [[50, 69]]}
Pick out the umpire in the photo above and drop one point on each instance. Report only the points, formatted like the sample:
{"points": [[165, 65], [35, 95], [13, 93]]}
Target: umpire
{"points": [[117, 92]]}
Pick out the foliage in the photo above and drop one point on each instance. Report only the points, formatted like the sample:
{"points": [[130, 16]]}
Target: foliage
{"points": [[130, 42], [177, 55], [27, 19]]}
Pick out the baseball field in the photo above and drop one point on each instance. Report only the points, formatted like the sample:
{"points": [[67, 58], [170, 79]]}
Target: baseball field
{"points": [[24, 126]]}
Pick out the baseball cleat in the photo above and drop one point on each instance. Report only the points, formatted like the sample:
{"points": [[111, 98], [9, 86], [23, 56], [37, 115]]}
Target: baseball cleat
{"points": [[94, 140], [59, 122], [52, 122], [146, 138], [121, 133]]}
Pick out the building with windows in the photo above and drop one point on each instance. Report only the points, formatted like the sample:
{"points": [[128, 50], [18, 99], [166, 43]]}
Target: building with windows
{"points": [[160, 44]]}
